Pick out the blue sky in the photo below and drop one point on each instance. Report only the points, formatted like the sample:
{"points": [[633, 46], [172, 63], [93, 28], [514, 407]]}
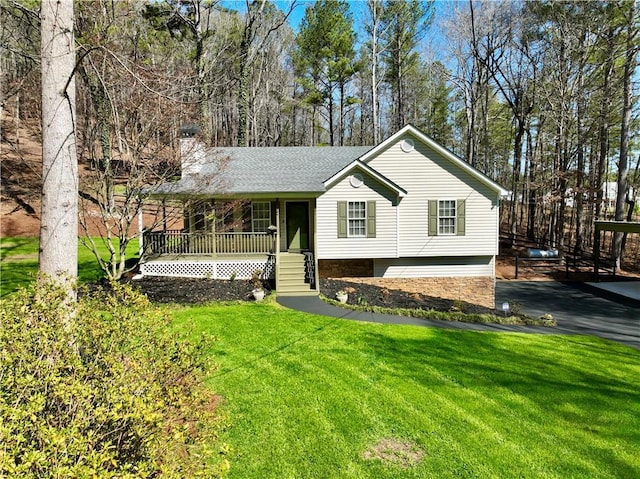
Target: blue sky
{"points": [[358, 8]]}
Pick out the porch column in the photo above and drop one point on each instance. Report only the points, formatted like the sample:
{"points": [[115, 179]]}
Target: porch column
{"points": [[314, 220], [277, 251], [596, 253], [140, 233]]}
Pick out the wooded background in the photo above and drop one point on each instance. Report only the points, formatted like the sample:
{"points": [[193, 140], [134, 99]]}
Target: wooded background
{"points": [[540, 95]]}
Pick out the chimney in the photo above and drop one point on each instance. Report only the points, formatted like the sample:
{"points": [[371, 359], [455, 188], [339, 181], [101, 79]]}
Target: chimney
{"points": [[191, 150]]}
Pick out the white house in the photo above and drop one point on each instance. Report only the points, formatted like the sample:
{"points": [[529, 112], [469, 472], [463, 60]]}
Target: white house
{"points": [[406, 208]]}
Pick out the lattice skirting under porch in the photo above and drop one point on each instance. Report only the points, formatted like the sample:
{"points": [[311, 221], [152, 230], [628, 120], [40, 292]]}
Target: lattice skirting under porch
{"points": [[227, 269]]}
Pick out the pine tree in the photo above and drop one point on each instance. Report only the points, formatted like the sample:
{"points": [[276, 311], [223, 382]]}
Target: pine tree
{"points": [[325, 61]]}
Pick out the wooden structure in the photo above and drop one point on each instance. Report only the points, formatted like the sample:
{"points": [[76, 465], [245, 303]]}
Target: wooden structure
{"points": [[615, 227], [541, 263]]}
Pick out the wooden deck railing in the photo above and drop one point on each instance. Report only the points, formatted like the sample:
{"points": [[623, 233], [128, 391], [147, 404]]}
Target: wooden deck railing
{"points": [[180, 242]]}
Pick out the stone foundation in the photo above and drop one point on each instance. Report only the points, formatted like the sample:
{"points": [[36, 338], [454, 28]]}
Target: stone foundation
{"points": [[474, 290]]}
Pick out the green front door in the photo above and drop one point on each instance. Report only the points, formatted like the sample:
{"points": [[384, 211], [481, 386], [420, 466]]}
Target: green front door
{"points": [[297, 225]]}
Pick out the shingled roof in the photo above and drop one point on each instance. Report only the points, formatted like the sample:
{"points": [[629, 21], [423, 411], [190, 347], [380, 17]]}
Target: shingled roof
{"points": [[253, 170]]}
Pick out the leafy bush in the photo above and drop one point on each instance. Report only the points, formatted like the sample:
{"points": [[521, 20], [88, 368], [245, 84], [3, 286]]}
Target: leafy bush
{"points": [[107, 393]]}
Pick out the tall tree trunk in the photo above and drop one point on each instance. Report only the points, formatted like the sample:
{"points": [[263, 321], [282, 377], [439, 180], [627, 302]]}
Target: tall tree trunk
{"points": [[331, 119], [243, 102], [603, 134], [532, 161], [627, 98], [59, 219], [341, 127], [374, 7], [515, 176], [470, 112], [579, 193]]}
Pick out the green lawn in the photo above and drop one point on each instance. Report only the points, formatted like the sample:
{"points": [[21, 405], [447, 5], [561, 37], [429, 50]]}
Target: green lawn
{"points": [[306, 396], [19, 262]]}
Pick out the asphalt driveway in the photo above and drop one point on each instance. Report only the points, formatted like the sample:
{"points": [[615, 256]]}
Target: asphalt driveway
{"points": [[578, 308]]}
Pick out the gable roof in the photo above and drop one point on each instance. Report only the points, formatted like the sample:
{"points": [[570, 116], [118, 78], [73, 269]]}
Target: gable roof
{"points": [[357, 164], [247, 170], [431, 143]]}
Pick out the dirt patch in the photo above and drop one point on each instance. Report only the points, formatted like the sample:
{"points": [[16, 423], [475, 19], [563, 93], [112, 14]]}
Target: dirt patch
{"points": [[403, 454]]}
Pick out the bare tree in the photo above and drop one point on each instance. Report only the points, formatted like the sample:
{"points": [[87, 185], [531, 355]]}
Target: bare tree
{"points": [[511, 60], [631, 51], [59, 218], [375, 49], [259, 24], [129, 131]]}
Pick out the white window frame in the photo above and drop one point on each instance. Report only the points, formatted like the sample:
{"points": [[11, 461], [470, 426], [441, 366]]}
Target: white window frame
{"points": [[201, 216], [362, 219], [442, 229], [255, 219]]}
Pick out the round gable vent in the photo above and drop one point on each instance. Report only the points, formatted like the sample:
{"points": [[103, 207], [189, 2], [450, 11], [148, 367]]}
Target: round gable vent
{"points": [[356, 180], [407, 145]]}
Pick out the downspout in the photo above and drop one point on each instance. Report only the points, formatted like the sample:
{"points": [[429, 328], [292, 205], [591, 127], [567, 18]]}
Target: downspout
{"points": [[315, 246], [277, 248], [397, 227]]}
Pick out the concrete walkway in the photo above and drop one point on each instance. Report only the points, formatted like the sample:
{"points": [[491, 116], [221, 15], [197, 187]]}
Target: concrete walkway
{"points": [[576, 309], [625, 289]]}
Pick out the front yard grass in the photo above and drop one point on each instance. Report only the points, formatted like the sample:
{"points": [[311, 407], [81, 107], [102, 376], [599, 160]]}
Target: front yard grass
{"points": [[315, 397], [311, 397], [19, 263]]}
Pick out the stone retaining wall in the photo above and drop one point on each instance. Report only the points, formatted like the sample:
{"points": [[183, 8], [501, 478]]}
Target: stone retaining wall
{"points": [[474, 290], [480, 290], [339, 268]]}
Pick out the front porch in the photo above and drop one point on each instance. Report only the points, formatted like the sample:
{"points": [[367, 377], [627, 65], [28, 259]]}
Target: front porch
{"points": [[184, 243], [232, 239], [228, 256]]}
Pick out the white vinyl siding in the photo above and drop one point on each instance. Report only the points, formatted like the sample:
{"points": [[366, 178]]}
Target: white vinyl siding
{"points": [[333, 240], [434, 267], [428, 176]]}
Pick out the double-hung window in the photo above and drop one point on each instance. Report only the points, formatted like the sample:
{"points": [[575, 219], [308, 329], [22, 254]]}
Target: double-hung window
{"points": [[447, 214], [260, 216], [447, 217], [357, 218]]}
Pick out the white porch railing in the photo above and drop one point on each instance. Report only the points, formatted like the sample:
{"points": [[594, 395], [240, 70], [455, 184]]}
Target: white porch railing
{"points": [[182, 243]]}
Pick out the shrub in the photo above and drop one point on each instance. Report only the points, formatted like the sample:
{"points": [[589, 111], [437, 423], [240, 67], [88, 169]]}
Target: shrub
{"points": [[109, 393]]}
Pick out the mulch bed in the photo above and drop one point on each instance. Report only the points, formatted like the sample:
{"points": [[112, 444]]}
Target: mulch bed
{"points": [[370, 295], [192, 290], [198, 291]]}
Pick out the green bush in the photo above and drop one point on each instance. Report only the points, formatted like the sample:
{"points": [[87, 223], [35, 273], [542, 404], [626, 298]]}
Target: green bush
{"points": [[107, 393]]}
